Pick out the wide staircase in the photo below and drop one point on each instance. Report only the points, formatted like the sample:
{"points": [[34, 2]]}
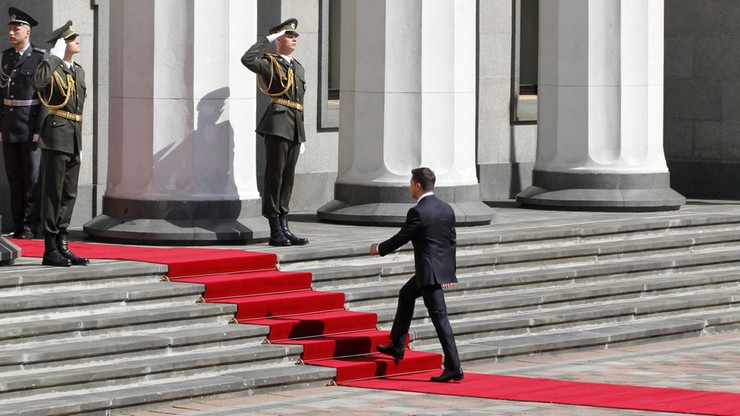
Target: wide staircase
{"points": [[546, 287], [116, 335]]}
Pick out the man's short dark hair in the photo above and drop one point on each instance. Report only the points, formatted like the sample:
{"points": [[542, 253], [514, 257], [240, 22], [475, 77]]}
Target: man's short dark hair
{"points": [[425, 177]]}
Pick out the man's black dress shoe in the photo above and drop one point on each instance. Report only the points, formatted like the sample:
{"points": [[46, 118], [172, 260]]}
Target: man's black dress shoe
{"points": [[447, 375], [26, 235], [391, 350]]}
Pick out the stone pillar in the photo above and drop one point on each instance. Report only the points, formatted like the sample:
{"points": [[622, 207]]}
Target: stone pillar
{"points": [[407, 100], [600, 133], [182, 117]]}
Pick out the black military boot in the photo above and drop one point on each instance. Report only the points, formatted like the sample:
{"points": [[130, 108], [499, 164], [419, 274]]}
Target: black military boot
{"points": [[294, 239], [52, 256], [277, 238], [63, 247]]}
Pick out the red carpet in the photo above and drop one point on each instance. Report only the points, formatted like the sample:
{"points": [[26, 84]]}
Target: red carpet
{"points": [[181, 261], [565, 392], [335, 337]]}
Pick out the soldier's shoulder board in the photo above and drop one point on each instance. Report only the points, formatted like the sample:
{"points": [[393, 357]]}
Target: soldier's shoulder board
{"points": [[39, 50], [11, 49]]}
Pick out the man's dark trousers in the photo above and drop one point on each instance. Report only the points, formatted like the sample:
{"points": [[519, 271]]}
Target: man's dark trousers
{"points": [[22, 161], [281, 157], [434, 300]]}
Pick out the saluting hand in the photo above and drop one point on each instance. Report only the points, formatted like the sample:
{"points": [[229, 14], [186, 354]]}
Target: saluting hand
{"points": [[274, 36]]}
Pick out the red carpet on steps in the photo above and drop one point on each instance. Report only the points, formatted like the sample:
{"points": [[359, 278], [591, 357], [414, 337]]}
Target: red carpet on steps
{"points": [[296, 314], [181, 261], [335, 337]]}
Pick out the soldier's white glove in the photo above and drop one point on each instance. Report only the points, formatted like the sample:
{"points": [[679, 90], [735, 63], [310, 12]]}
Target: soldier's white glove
{"points": [[274, 36], [59, 48], [303, 148], [36, 138]]}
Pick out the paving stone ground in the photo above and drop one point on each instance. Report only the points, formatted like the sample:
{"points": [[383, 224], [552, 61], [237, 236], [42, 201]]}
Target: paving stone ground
{"points": [[709, 363]]}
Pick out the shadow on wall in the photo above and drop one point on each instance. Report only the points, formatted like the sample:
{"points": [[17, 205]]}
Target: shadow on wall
{"points": [[201, 164]]}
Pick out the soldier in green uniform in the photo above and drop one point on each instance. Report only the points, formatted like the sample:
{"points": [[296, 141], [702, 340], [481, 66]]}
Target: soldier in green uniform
{"points": [[21, 115], [60, 83], [283, 79]]}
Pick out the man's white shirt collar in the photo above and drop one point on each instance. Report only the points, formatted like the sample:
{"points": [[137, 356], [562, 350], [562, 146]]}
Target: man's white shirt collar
{"points": [[23, 51], [424, 196]]}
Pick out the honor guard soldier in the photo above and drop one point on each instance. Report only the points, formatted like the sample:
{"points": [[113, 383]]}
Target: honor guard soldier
{"points": [[282, 78], [21, 116], [60, 83]]}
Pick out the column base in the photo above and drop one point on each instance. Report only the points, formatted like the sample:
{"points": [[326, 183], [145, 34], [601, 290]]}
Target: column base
{"points": [[388, 205], [178, 222], [8, 251], [595, 191]]}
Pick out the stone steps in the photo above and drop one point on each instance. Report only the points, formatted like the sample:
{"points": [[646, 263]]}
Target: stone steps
{"points": [[549, 288], [397, 267], [103, 401], [116, 334]]}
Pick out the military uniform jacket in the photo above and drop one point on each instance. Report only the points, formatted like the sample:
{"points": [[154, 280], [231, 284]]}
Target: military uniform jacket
{"points": [[430, 226], [19, 123], [60, 133], [278, 119]]}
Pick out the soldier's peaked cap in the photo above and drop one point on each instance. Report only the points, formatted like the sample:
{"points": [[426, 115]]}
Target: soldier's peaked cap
{"points": [[65, 32], [289, 26], [19, 17]]}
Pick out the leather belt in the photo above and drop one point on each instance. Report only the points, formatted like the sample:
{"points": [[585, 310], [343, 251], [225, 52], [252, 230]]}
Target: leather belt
{"points": [[288, 103], [66, 114], [20, 103]]}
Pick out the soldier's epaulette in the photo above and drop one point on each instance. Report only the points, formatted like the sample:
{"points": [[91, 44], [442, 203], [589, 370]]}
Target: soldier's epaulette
{"points": [[40, 50], [9, 49]]}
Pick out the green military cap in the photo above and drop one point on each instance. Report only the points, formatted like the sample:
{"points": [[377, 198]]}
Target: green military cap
{"points": [[289, 26], [65, 33], [19, 17]]}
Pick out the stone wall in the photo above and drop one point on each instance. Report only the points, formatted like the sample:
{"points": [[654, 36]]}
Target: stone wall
{"points": [[702, 97]]}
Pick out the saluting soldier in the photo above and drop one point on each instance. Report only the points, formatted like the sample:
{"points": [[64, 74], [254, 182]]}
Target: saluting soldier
{"points": [[21, 115], [60, 83], [283, 79]]}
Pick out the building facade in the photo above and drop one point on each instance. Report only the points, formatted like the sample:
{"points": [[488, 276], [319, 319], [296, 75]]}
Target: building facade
{"points": [[141, 146]]}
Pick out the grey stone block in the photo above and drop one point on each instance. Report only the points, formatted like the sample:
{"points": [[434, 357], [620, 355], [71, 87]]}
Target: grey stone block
{"points": [[48, 330], [99, 272]]}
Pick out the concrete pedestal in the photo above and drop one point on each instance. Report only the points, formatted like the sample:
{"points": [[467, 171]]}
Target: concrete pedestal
{"points": [[600, 124], [8, 251], [182, 151], [408, 100]]}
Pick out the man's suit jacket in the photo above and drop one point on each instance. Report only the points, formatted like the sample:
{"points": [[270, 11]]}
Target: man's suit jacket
{"points": [[430, 226], [60, 133], [278, 120], [20, 123]]}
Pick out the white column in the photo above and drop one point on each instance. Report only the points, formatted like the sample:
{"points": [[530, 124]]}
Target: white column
{"points": [[182, 143], [600, 121], [407, 100]]}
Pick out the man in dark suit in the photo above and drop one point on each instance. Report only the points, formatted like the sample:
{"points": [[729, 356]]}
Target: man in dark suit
{"points": [[61, 85], [283, 79], [21, 115], [430, 226]]}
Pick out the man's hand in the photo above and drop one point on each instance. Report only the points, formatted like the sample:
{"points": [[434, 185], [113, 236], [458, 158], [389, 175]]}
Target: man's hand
{"points": [[274, 36], [374, 249], [302, 149], [446, 285], [36, 138]]}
